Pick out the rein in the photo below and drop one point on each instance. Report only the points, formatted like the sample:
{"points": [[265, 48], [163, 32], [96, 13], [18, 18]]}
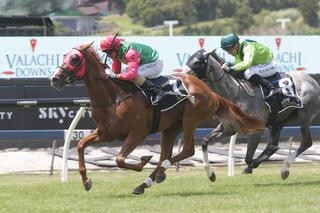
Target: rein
{"points": [[222, 76], [116, 101], [120, 98], [219, 78]]}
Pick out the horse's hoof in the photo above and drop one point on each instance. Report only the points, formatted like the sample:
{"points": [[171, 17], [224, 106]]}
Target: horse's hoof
{"points": [[254, 164], [87, 184], [146, 158], [247, 170], [284, 174], [212, 178], [138, 190], [160, 178]]}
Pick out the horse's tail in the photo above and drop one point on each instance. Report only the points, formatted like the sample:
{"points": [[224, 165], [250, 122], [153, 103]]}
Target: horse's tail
{"points": [[233, 113]]}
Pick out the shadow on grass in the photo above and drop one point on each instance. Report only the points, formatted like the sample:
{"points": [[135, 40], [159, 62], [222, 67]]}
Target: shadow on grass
{"points": [[174, 194], [285, 184], [188, 194]]}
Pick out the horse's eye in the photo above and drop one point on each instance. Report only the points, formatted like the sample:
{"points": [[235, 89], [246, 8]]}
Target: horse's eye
{"points": [[75, 60]]}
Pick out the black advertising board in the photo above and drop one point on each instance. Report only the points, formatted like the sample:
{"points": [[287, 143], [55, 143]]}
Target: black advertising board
{"points": [[40, 118], [53, 117]]}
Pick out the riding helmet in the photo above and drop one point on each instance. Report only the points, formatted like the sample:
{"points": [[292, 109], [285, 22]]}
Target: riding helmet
{"points": [[110, 43], [229, 40]]}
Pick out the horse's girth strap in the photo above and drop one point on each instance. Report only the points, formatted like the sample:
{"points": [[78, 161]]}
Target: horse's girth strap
{"points": [[155, 119]]}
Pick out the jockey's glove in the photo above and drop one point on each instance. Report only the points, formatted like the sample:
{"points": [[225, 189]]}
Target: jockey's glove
{"points": [[110, 73], [226, 67]]}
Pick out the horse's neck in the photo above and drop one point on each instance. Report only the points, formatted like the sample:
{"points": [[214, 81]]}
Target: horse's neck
{"points": [[227, 88], [101, 91]]}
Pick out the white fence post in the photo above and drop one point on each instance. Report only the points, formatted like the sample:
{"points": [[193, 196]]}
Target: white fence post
{"points": [[230, 158], [64, 168]]}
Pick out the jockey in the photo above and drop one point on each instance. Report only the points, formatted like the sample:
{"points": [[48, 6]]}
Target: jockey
{"points": [[142, 63], [252, 58]]}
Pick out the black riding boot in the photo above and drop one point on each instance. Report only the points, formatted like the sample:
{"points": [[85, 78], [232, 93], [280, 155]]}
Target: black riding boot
{"points": [[258, 80], [156, 90]]}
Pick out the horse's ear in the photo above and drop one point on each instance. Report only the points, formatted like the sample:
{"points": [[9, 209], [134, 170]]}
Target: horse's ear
{"points": [[86, 46]]}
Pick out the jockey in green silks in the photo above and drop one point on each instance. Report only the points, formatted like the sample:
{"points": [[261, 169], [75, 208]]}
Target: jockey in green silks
{"points": [[252, 58]]}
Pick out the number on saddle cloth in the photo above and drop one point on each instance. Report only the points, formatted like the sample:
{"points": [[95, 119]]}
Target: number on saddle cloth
{"points": [[174, 89], [289, 97]]}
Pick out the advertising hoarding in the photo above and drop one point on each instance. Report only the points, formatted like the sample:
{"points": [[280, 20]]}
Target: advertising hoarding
{"points": [[38, 57]]}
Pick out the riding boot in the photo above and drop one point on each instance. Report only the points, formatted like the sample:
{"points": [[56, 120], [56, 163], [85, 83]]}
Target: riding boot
{"points": [[258, 80], [154, 89]]}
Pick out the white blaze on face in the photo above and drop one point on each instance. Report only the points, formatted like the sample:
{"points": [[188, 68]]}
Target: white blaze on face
{"points": [[56, 72]]}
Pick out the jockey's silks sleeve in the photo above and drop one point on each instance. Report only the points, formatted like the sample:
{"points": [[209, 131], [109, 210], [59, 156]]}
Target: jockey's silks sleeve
{"points": [[248, 55], [116, 65], [253, 53], [132, 58]]}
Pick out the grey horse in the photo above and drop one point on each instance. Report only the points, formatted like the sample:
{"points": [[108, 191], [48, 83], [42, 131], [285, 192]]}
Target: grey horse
{"points": [[227, 86]]}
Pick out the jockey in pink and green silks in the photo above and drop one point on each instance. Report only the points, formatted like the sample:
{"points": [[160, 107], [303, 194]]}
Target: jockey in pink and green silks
{"points": [[142, 63]]}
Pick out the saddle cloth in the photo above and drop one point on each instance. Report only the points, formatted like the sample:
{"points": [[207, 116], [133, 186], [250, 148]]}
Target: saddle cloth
{"points": [[289, 97], [174, 89]]}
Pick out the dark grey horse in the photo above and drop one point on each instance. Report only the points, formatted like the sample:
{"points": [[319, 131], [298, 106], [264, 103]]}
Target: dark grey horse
{"points": [[227, 86]]}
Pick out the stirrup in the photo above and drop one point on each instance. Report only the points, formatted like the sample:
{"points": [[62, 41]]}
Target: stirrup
{"points": [[157, 98]]}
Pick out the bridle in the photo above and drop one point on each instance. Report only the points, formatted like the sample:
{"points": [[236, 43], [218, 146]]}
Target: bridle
{"points": [[215, 79], [71, 75]]}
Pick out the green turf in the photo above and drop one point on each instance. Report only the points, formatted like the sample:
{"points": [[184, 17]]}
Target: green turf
{"points": [[186, 191]]}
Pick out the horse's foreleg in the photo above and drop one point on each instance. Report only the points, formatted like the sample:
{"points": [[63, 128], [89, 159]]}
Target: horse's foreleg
{"points": [[93, 137], [218, 133], [271, 148], [148, 182], [306, 142], [167, 139], [130, 143], [253, 142]]}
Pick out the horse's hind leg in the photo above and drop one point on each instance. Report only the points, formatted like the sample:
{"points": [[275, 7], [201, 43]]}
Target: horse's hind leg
{"points": [[187, 150], [84, 142], [306, 142], [272, 146], [253, 142], [167, 139]]}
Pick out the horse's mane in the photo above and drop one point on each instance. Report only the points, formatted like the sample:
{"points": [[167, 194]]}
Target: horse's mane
{"points": [[125, 85], [94, 53], [214, 64]]}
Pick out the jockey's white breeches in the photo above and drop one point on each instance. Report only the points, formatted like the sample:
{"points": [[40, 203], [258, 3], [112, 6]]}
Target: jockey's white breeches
{"points": [[264, 70], [151, 70]]}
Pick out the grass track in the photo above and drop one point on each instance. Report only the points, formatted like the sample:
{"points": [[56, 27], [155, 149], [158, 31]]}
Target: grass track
{"points": [[186, 191]]}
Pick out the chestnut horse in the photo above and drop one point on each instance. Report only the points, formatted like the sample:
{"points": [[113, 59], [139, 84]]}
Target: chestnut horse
{"points": [[125, 114]]}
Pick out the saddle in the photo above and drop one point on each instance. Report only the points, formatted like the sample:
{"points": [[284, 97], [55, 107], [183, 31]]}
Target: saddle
{"points": [[174, 89], [247, 86], [175, 92], [289, 97]]}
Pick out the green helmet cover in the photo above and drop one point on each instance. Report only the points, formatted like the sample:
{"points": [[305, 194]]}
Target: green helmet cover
{"points": [[229, 40]]}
